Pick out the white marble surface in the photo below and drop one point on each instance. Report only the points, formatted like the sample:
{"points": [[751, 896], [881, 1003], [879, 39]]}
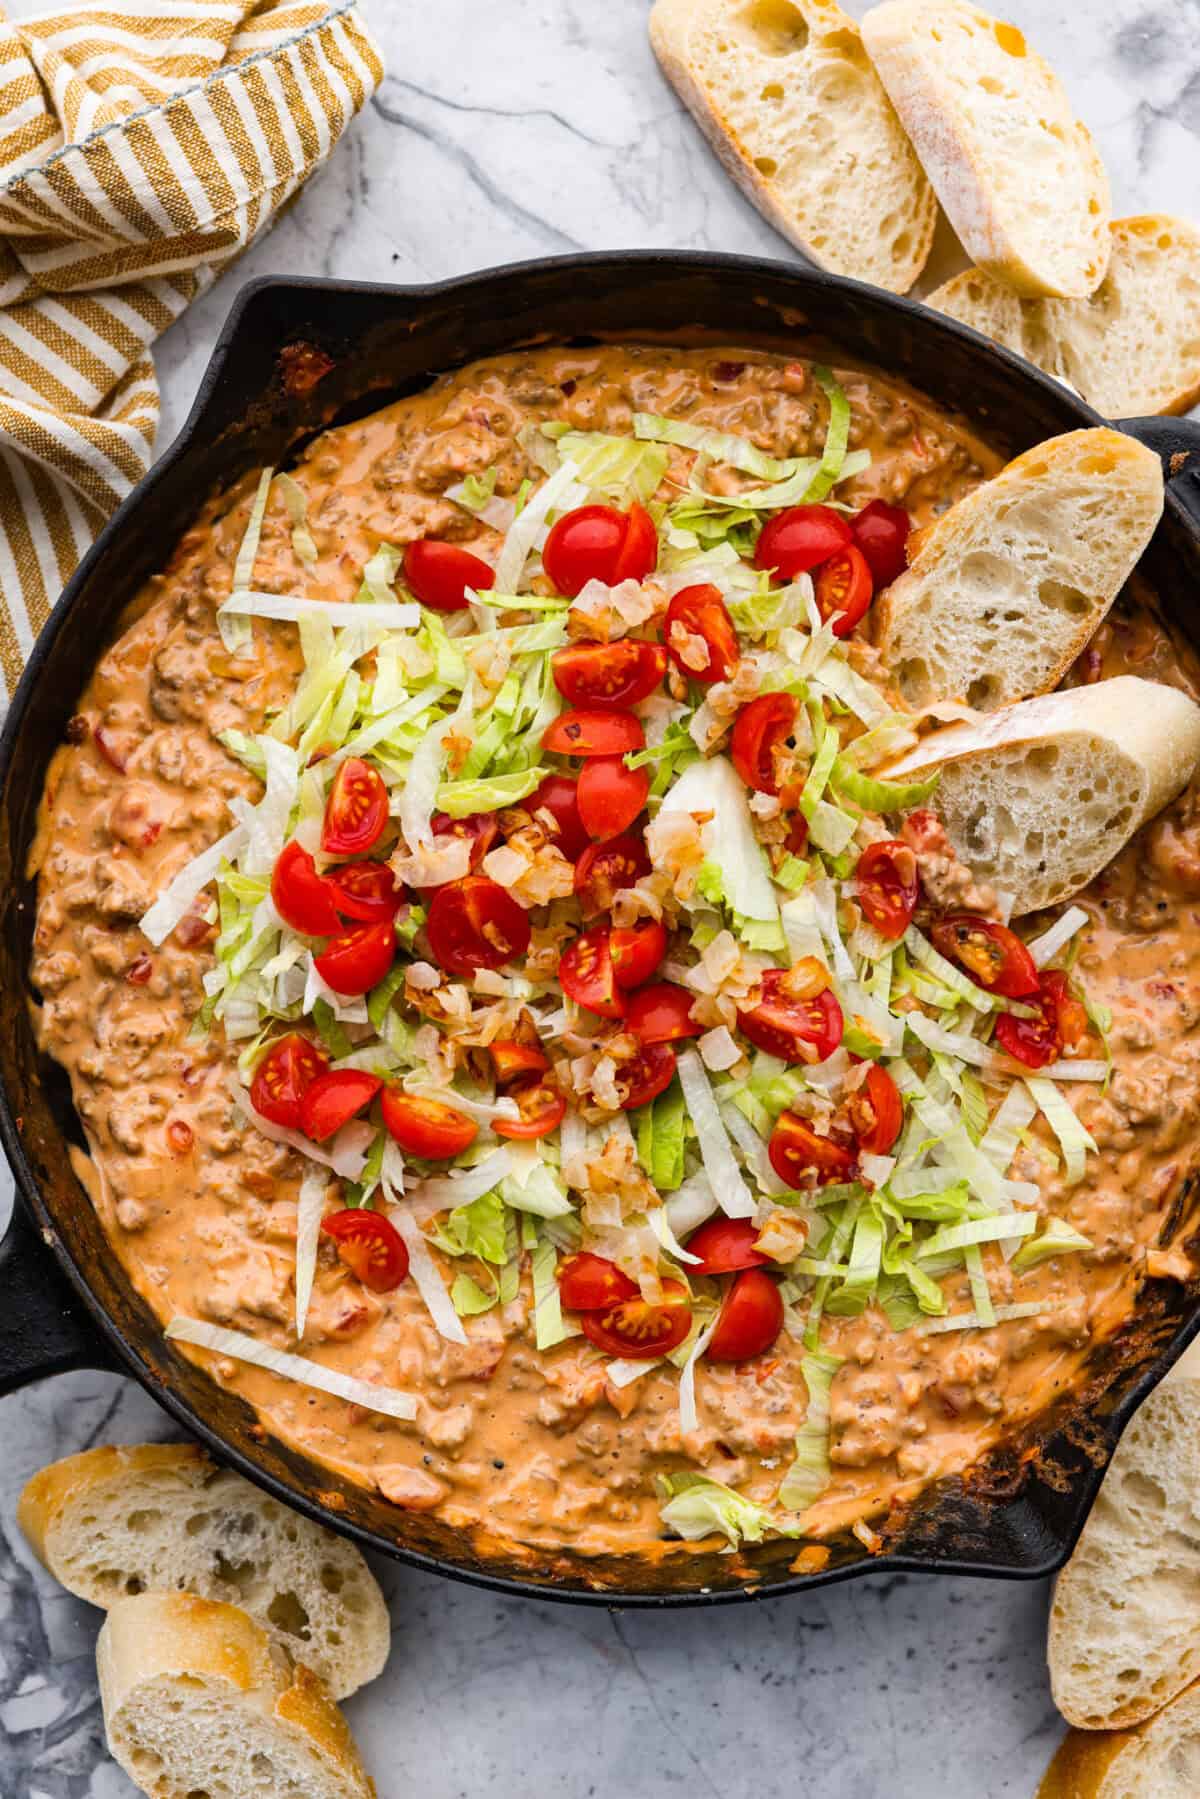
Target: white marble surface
{"points": [[507, 129]]}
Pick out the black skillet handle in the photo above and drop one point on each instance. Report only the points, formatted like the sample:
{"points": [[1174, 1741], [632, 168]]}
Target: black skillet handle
{"points": [[1177, 441], [43, 1328]]}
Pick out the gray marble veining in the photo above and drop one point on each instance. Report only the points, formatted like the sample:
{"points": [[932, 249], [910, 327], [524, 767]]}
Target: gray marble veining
{"points": [[510, 129]]}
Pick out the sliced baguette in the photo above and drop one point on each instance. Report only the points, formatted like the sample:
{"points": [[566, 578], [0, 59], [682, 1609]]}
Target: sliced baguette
{"points": [[1038, 798], [198, 1700], [1133, 348], [111, 1522], [1159, 1760], [786, 95], [1017, 173], [1006, 588], [1124, 1626]]}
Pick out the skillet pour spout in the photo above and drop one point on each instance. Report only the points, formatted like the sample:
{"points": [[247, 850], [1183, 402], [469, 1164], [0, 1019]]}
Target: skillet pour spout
{"points": [[294, 357]]}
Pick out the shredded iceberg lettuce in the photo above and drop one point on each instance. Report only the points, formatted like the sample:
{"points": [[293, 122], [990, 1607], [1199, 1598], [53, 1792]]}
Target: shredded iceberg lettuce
{"points": [[694, 1506], [810, 1472]]}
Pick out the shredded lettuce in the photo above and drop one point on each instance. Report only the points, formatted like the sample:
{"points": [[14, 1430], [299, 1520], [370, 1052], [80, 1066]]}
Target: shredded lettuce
{"points": [[694, 1506], [241, 1348], [837, 436], [1074, 1139], [736, 866], [660, 1130], [620, 468], [810, 1473], [718, 446], [879, 796], [459, 798], [296, 501], [720, 1165], [1057, 1238]]}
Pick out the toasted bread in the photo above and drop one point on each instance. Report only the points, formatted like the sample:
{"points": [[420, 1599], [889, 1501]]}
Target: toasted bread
{"points": [[1133, 347], [111, 1522], [1006, 588], [1158, 1760], [1017, 173], [1039, 797], [786, 95]]}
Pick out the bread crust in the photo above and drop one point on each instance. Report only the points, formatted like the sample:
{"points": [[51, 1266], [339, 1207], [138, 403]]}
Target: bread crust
{"points": [[1129, 1764]]}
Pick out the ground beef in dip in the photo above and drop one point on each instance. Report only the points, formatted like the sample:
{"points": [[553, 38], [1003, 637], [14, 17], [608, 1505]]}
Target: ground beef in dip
{"points": [[202, 1209]]}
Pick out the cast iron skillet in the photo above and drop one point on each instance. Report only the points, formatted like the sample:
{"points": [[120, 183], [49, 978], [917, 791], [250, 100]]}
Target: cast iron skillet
{"points": [[69, 1305]]}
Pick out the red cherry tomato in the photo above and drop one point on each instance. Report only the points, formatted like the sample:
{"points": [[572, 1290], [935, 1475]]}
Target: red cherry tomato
{"points": [[700, 613], [881, 533], [557, 795], [541, 1106], [876, 1112], [480, 829], [588, 1283], [598, 543], [370, 1246], [800, 539], [724, 1246], [289, 1067], [358, 960], [844, 586], [798, 1030], [608, 674], [637, 950], [650, 1073], [1062, 1020], [796, 841], [584, 733], [992, 955], [758, 730], [662, 1013], [302, 898], [604, 868], [356, 811], [640, 1330], [510, 1059], [440, 573], [473, 924], [610, 795], [365, 890], [751, 1318], [586, 973], [333, 1099], [803, 1158], [426, 1127], [888, 886]]}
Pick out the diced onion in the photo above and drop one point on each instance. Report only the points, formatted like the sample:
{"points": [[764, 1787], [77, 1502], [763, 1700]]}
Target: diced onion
{"points": [[241, 1348]]}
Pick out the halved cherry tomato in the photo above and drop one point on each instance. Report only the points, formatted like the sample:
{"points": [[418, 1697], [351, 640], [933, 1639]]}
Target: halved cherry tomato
{"points": [[541, 1106], [426, 1127], [758, 730], [876, 1111], [805, 1029], [992, 955], [662, 1013], [356, 811], [591, 733], [333, 1099], [480, 829], [604, 868], [365, 890], [302, 898], [650, 1073], [610, 795], [700, 612], [358, 960], [881, 533], [370, 1246], [800, 539], [440, 573], [289, 1067], [844, 586], [888, 886], [1062, 1021], [750, 1320], [598, 543], [557, 795], [510, 1058], [474, 923], [586, 973], [724, 1246], [608, 674], [637, 950], [115, 747], [637, 1329], [588, 1283], [803, 1158]]}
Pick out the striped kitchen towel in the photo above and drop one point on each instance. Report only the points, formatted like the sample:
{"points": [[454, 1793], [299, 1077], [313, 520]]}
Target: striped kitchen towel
{"points": [[144, 144]]}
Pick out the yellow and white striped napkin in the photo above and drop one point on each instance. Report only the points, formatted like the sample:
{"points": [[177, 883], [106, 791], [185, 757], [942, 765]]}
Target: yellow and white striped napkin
{"points": [[144, 144]]}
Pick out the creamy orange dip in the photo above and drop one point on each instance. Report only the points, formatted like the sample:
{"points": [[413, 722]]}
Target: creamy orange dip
{"points": [[541, 1446]]}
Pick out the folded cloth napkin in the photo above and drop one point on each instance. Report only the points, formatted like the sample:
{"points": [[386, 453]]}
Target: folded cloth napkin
{"points": [[144, 144]]}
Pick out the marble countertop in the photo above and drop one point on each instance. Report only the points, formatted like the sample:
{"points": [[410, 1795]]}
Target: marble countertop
{"points": [[510, 129]]}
